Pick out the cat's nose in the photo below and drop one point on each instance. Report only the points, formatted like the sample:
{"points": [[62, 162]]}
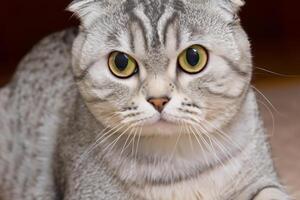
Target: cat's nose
{"points": [[159, 103]]}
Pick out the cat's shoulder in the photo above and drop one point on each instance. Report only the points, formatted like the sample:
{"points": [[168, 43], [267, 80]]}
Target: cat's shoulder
{"points": [[45, 69], [47, 62], [50, 51]]}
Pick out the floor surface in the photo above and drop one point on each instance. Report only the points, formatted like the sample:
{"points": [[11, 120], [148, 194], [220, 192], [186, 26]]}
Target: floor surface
{"points": [[283, 125]]}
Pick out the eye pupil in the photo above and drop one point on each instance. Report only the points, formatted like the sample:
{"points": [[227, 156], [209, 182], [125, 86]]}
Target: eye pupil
{"points": [[192, 56], [121, 61]]}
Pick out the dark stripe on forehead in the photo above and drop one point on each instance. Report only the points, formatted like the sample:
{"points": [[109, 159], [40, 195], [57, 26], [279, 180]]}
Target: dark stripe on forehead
{"points": [[179, 6], [113, 39], [129, 5], [171, 22], [154, 9], [135, 19]]}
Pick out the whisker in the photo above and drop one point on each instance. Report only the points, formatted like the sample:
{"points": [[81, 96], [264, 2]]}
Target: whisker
{"points": [[138, 141], [225, 151], [212, 148], [225, 136], [177, 141], [272, 116], [125, 144], [100, 140], [102, 134], [115, 114], [190, 137], [200, 144], [209, 145], [132, 138], [264, 97], [277, 74], [229, 140], [202, 149], [113, 143], [133, 143]]}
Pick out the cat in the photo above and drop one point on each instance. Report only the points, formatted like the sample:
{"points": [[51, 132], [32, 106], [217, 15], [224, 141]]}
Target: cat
{"points": [[147, 99]]}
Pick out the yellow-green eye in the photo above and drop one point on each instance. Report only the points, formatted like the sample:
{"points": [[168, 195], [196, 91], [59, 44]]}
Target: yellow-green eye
{"points": [[122, 65], [193, 59]]}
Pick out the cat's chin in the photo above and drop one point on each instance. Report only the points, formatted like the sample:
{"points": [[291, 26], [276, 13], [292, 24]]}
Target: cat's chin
{"points": [[161, 127]]}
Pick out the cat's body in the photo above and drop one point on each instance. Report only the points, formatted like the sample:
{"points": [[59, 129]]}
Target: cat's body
{"points": [[48, 126]]}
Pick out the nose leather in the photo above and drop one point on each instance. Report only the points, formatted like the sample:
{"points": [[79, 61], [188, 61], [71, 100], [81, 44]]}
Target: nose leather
{"points": [[159, 103]]}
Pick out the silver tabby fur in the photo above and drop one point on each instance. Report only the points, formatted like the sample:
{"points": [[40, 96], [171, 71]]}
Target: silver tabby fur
{"points": [[71, 130]]}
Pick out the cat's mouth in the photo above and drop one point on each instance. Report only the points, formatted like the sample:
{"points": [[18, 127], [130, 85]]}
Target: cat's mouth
{"points": [[161, 121], [164, 122], [161, 127]]}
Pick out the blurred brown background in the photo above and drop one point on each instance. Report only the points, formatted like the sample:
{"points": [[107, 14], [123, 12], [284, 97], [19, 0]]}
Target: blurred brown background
{"points": [[273, 27]]}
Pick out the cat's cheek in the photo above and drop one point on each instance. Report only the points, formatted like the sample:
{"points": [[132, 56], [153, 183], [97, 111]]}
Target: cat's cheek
{"points": [[145, 116], [100, 73], [185, 79]]}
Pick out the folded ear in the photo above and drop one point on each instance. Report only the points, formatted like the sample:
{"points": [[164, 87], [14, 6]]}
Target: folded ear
{"points": [[229, 8], [237, 4], [88, 10], [232, 6]]}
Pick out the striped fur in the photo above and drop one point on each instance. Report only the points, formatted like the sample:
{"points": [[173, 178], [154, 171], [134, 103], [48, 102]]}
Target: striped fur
{"points": [[101, 139]]}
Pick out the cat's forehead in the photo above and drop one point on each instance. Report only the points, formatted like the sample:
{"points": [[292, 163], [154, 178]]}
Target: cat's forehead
{"points": [[153, 19], [154, 9], [151, 28], [150, 24]]}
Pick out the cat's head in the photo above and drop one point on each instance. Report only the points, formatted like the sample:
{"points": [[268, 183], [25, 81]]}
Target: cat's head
{"points": [[162, 65]]}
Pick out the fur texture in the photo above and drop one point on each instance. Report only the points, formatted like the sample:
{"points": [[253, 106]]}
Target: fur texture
{"points": [[101, 139]]}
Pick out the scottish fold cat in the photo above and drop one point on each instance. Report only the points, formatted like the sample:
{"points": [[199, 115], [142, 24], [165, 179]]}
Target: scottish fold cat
{"points": [[148, 99]]}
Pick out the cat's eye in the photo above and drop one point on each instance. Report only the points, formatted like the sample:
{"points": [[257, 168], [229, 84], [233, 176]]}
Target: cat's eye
{"points": [[193, 59], [122, 65]]}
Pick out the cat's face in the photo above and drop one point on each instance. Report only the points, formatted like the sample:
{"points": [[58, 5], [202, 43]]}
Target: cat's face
{"points": [[162, 65]]}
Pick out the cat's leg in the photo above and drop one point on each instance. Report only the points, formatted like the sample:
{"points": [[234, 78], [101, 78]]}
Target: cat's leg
{"points": [[270, 193]]}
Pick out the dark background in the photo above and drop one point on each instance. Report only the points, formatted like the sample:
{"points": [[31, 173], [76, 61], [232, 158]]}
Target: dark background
{"points": [[273, 27]]}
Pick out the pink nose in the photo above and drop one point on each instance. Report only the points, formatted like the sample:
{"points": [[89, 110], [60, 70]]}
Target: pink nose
{"points": [[159, 103]]}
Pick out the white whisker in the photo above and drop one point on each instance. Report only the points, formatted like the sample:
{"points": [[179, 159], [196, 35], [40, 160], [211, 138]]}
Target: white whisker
{"points": [[272, 116], [224, 135], [225, 151], [264, 97], [125, 144], [177, 141], [113, 143], [200, 144], [138, 141], [101, 139], [277, 74]]}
